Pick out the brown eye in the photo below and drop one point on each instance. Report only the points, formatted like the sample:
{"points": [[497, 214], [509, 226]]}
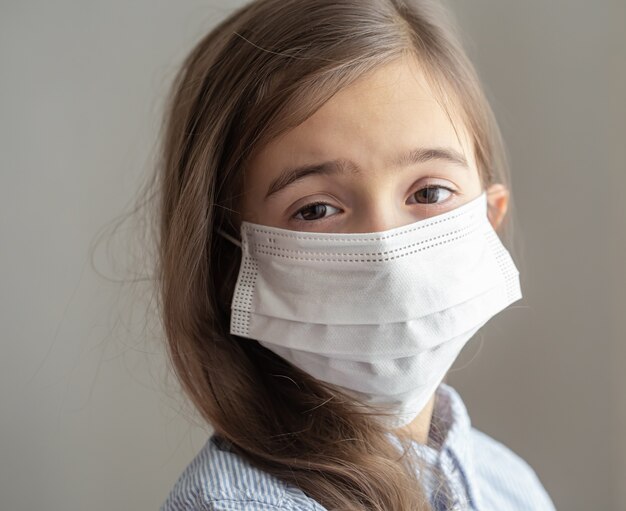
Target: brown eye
{"points": [[315, 211], [432, 194]]}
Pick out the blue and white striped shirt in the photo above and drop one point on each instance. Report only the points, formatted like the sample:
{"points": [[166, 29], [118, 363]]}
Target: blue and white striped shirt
{"points": [[481, 473]]}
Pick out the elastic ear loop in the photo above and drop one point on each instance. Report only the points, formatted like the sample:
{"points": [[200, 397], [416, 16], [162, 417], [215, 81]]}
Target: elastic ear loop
{"points": [[230, 238]]}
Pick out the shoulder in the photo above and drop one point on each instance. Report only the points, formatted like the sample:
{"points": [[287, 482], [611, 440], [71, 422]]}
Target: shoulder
{"points": [[218, 479], [506, 481]]}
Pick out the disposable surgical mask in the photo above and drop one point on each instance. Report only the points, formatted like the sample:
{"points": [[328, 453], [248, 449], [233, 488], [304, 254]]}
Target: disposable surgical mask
{"points": [[383, 315]]}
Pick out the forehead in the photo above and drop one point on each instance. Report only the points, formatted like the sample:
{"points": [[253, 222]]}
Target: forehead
{"points": [[387, 111]]}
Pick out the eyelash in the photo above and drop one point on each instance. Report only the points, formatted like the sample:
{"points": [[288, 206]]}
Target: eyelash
{"points": [[317, 203], [307, 206], [452, 191]]}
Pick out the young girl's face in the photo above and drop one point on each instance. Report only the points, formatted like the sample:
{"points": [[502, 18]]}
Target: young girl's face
{"points": [[380, 154]]}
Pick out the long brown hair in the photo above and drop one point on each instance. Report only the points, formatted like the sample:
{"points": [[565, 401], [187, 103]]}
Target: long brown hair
{"points": [[261, 71]]}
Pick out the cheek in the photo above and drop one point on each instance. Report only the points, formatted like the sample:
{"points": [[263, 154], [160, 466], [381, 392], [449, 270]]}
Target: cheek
{"points": [[249, 208], [246, 201], [474, 181], [252, 205]]}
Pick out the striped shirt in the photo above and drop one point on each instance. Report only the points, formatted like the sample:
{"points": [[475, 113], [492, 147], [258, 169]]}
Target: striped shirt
{"points": [[480, 473]]}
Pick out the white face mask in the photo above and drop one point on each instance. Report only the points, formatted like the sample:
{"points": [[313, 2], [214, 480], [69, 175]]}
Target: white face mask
{"points": [[382, 315]]}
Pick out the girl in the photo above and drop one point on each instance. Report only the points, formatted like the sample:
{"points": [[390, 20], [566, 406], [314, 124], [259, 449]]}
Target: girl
{"points": [[331, 180]]}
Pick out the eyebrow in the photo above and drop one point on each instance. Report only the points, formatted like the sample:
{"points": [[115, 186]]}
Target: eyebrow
{"points": [[413, 157]]}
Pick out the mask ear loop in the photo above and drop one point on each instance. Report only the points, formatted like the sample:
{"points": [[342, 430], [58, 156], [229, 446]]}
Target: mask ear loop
{"points": [[230, 238]]}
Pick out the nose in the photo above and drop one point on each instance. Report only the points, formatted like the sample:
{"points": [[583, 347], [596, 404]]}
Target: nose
{"points": [[379, 213]]}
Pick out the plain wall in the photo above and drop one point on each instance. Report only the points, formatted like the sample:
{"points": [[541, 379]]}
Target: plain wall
{"points": [[542, 380], [90, 418]]}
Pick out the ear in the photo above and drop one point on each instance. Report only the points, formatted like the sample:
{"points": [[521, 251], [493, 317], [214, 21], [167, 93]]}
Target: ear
{"points": [[498, 203]]}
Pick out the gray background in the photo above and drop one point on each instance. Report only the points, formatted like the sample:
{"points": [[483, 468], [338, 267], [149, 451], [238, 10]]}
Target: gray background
{"points": [[90, 418]]}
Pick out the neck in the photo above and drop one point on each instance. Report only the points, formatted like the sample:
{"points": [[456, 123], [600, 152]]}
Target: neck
{"points": [[418, 429]]}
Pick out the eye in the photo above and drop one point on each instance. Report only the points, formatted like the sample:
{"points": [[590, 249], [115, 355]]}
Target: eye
{"points": [[314, 211], [432, 194]]}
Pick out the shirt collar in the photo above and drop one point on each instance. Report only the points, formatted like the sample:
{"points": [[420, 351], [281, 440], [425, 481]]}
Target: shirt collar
{"points": [[453, 421], [449, 443], [450, 426], [450, 416]]}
